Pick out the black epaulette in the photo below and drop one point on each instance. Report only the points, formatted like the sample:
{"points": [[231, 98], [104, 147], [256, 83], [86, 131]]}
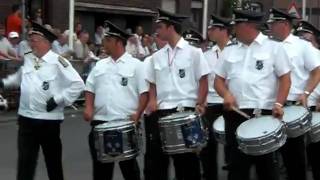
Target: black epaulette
{"points": [[63, 61], [27, 52], [274, 39], [303, 38], [232, 43]]}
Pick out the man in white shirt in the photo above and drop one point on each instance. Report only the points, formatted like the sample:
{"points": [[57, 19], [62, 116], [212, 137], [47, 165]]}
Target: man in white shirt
{"points": [[253, 76], [48, 83], [115, 89], [218, 31], [305, 76], [178, 78], [310, 33]]}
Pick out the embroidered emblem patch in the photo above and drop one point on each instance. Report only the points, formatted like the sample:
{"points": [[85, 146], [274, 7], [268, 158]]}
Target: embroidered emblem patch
{"points": [[182, 73], [259, 65], [124, 81], [45, 85]]}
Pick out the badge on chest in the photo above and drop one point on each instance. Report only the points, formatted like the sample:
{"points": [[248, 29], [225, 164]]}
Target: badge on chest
{"points": [[45, 85], [182, 73], [124, 81], [259, 65]]}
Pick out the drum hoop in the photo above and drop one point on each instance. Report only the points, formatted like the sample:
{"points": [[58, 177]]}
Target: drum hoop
{"points": [[192, 115], [184, 120], [297, 120]]}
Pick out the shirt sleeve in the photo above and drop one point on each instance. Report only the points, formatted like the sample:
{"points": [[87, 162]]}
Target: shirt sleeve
{"points": [[283, 64], [90, 82], [143, 85], [150, 71], [311, 57], [201, 64], [75, 86], [221, 66]]}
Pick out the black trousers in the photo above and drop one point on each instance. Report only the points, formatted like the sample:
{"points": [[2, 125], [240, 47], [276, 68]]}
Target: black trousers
{"points": [[266, 165], [32, 135], [104, 171], [208, 154], [187, 165]]}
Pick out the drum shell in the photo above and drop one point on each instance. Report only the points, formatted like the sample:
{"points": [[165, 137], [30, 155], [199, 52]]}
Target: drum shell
{"points": [[130, 143], [264, 144], [314, 133], [172, 138], [299, 126]]}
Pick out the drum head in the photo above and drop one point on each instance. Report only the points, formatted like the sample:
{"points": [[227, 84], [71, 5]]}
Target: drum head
{"points": [[218, 124], [315, 118], [114, 124], [292, 113], [179, 116], [258, 127]]}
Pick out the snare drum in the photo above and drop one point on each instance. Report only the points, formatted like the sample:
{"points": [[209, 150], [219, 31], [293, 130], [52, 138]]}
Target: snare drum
{"points": [[182, 132], [262, 135], [314, 132], [297, 120], [219, 130], [116, 141]]}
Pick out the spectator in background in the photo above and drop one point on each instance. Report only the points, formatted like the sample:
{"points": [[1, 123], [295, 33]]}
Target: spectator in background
{"points": [[78, 29], [81, 48], [61, 47], [14, 20], [147, 45], [98, 36], [14, 40], [6, 50], [37, 17]]}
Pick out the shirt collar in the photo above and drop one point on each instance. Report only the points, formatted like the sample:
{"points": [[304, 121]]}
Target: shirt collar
{"points": [[258, 40], [180, 44], [121, 59], [48, 57], [289, 39]]}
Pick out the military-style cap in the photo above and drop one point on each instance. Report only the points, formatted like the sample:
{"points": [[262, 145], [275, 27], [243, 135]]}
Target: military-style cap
{"points": [[115, 31], [219, 22], [192, 36], [278, 15], [305, 26], [239, 16], [165, 16], [42, 31]]}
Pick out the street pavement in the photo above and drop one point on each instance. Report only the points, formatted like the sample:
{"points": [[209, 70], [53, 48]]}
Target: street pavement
{"points": [[76, 157]]}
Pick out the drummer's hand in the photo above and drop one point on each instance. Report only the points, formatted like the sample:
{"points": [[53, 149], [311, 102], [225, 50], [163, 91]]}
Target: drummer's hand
{"points": [[277, 111], [135, 118], [88, 114], [303, 100], [200, 109], [229, 101]]}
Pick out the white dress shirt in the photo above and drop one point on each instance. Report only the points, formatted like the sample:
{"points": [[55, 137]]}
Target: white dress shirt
{"points": [[176, 74], [252, 72], [54, 77], [117, 86]]}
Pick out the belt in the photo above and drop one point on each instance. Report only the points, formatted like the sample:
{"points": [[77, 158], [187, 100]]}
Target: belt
{"points": [[97, 122], [291, 103], [24, 119], [312, 108]]}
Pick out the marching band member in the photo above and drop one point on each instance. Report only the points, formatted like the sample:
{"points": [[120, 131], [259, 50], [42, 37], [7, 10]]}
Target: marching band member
{"points": [[253, 76], [48, 83], [178, 78], [305, 76], [311, 33], [115, 89]]}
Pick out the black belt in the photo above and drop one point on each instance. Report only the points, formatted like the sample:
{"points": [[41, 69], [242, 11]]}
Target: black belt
{"points": [[291, 103], [38, 121], [96, 122], [312, 108]]}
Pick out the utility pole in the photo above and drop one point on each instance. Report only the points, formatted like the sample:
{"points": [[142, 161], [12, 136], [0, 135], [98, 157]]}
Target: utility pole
{"points": [[205, 18]]}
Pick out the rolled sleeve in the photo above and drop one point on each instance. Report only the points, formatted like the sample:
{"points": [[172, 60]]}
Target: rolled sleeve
{"points": [[220, 69], [201, 65], [90, 82], [150, 71], [311, 57], [143, 85]]}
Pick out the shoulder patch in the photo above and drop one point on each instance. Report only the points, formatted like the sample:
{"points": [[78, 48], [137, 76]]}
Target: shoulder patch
{"points": [[274, 39], [63, 61], [27, 52]]}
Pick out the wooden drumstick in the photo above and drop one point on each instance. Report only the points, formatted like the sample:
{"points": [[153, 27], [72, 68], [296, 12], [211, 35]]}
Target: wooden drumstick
{"points": [[240, 112]]}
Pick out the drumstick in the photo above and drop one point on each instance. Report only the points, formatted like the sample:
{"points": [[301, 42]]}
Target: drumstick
{"points": [[240, 112]]}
